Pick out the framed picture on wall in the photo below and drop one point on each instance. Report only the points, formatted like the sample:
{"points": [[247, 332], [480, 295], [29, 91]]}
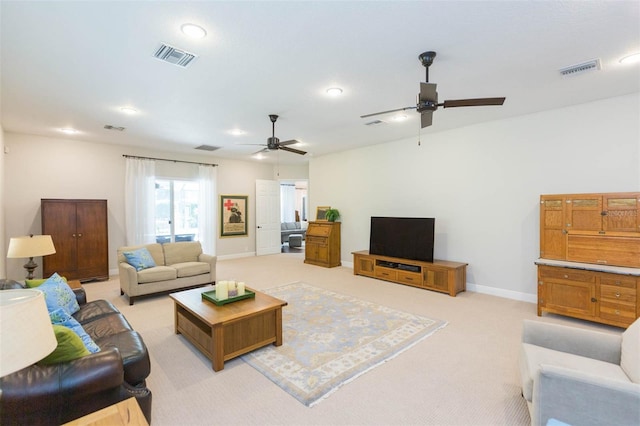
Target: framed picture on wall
{"points": [[233, 215], [321, 213]]}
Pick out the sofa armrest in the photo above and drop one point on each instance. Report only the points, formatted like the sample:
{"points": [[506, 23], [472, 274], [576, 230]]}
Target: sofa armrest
{"points": [[578, 398], [211, 260], [128, 277], [587, 343], [40, 387]]}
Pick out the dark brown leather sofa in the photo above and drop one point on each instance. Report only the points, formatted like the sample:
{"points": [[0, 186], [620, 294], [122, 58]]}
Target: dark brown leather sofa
{"points": [[56, 394]]}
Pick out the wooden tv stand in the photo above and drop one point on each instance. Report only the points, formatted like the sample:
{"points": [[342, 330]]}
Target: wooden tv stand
{"points": [[440, 275]]}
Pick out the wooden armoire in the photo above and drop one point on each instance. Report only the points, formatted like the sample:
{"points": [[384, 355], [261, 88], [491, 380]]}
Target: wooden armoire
{"points": [[80, 235]]}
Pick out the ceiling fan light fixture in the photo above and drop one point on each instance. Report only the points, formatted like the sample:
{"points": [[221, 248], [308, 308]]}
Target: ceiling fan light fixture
{"points": [[334, 91], [630, 59], [193, 30]]}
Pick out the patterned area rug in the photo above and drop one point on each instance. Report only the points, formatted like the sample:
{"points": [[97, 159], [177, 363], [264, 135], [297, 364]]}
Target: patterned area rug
{"points": [[330, 339]]}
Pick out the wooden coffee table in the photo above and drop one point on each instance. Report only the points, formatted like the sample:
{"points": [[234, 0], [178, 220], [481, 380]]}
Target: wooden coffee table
{"points": [[225, 332]]}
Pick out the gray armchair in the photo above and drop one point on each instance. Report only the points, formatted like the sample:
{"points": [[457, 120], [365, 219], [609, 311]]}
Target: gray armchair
{"points": [[580, 377]]}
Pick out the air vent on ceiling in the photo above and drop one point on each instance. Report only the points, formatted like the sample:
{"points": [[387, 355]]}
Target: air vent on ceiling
{"points": [[592, 65], [174, 55], [374, 123], [207, 147], [110, 127]]}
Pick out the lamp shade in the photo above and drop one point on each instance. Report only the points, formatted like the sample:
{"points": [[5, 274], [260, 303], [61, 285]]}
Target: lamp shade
{"points": [[26, 333], [31, 246]]}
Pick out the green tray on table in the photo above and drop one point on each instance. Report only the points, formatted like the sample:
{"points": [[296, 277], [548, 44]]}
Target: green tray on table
{"points": [[211, 297]]}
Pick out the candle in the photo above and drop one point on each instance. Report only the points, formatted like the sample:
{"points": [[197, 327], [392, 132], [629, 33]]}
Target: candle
{"points": [[240, 289], [233, 289], [222, 290]]}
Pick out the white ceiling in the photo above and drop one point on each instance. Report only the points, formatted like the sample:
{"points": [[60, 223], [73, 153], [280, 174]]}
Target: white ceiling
{"points": [[74, 64]]}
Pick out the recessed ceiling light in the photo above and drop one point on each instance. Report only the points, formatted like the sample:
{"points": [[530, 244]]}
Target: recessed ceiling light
{"points": [[630, 59], [237, 132], [193, 30], [129, 110], [334, 91], [69, 131]]}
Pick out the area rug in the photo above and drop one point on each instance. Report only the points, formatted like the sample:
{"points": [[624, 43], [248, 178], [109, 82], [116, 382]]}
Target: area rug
{"points": [[330, 339]]}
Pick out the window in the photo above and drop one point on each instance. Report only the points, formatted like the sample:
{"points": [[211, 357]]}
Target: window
{"points": [[176, 215]]}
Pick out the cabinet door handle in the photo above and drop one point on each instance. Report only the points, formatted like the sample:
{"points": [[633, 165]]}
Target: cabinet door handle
{"points": [[73, 235], [79, 235], [617, 294], [593, 299]]}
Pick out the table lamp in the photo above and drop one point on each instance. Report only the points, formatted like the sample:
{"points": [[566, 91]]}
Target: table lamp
{"points": [[26, 333], [30, 246]]}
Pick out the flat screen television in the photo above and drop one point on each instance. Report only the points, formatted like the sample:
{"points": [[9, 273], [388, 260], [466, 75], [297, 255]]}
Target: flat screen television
{"points": [[403, 237]]}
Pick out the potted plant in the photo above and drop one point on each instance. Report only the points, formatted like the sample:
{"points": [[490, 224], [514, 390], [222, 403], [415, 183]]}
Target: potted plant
{"points": [[332, 215]]}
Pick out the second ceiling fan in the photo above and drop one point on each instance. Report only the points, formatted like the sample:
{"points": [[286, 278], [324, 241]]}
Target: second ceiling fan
{"points": [[427, 101]]}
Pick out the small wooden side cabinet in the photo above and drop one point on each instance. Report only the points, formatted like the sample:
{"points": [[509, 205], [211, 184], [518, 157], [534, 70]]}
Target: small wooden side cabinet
{"points": [[440, 275], [81, 238], [322, 244], [604, 294]]}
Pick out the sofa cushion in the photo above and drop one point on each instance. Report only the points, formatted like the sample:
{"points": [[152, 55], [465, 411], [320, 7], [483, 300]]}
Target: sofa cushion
{"points": [[62, 317], [630, 351], [190, 269], [181, 252], [94, 310], [69, 347], [139, 259], [159, 273], [106, 326], [292, 225], [155, 249], [38, 282], [533, 356], [58, 294]]}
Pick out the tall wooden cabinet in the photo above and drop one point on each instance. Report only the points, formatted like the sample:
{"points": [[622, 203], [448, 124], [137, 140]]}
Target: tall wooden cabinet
{"points": [[590, 256], [80, 235], [322, 244]]}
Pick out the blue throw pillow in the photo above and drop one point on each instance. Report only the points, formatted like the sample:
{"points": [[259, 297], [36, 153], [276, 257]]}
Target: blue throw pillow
{"points": [[61, 317], [58, 294], [139, 259]]}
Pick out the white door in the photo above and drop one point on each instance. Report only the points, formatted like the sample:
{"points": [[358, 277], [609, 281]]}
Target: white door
{"points": [[267, 217]]}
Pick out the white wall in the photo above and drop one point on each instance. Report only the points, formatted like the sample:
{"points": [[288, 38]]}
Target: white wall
{"points": [[39, 167], [482, 184], [3, 247]]}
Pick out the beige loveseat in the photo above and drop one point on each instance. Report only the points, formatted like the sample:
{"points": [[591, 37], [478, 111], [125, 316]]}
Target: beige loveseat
{"points": [[178, 265]]}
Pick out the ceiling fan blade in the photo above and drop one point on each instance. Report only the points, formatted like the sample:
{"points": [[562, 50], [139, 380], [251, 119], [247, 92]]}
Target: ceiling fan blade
{"points": [[426, 118], [261, 151], [428, 92], [473, 102], [387, 112], [295, 151], [290, 142]]}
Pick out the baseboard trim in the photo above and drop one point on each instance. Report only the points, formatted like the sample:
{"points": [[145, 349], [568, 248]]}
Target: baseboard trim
{"points": [[493, 291], [237, 255]]}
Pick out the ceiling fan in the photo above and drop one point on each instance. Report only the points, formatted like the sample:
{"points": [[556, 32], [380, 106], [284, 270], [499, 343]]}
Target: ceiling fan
{"points": [[427, 101], [274, 144]]}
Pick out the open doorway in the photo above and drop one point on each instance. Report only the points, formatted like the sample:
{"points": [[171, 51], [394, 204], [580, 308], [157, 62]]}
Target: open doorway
{"points": [[294, 214]]}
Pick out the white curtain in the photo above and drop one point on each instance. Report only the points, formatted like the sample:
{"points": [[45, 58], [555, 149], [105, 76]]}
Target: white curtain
{"points": [[139, 201], [287, 202], [207, 208]]}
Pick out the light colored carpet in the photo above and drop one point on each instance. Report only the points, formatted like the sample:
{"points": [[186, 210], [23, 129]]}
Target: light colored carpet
{"points": [[331, 339], [465, 374]]}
